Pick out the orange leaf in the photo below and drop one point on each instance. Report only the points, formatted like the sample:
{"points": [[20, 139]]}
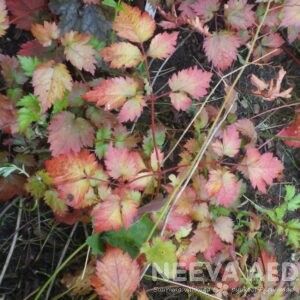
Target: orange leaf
{"points": [[45, 33], [114, 213], [67, 134], [122, 55], [126, 167], [113, 92], [223, 187], [78, 51], [163, 45], [260, 169], [50, 81], [117, 274], [71, 174], [134, 25], [4, 23]]}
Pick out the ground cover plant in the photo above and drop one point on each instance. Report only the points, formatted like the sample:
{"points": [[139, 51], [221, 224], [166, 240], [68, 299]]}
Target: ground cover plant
{"points": [[149, 156]]}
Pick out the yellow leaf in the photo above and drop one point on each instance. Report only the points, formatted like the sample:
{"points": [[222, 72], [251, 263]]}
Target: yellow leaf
{"points": [[50, 81], [4, 24], [122, 54], [45, 33], [134, 25], [79, 52]]}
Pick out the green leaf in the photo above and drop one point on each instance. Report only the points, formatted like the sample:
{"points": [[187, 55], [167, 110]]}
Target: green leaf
{"points": [[290, 192], [60, 105], [219, 211], [28, 64], [8, 169], [162, 253], [38, 184], [103, 137], [294, 203], [292, 232], [110, 3], [280, 212], [148, 144], [96, 243], [132, 239], [292, 200], [29, 112], [14, 94], [58, 205], [97, 44]]}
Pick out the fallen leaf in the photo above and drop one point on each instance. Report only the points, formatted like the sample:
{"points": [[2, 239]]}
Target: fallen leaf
{"points": [[271, 90]]}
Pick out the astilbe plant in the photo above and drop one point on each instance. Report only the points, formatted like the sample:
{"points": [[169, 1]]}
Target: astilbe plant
{"points": [[118, 177]]}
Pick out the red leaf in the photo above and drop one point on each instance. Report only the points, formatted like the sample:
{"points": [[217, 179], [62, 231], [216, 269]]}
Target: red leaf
{"points": [[11, 186], [221, 48], [67, 134], [8, 116], [25, 12], [193, 82], [34, 48], [260, 169], [114, 213], [71, 174], [134, 25], [293, 132], [117, 274], [163, 45]]}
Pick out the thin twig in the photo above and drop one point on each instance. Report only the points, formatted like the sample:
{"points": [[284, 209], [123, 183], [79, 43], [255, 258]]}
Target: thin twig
{"points": [[14, 241], [62, 258]]}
